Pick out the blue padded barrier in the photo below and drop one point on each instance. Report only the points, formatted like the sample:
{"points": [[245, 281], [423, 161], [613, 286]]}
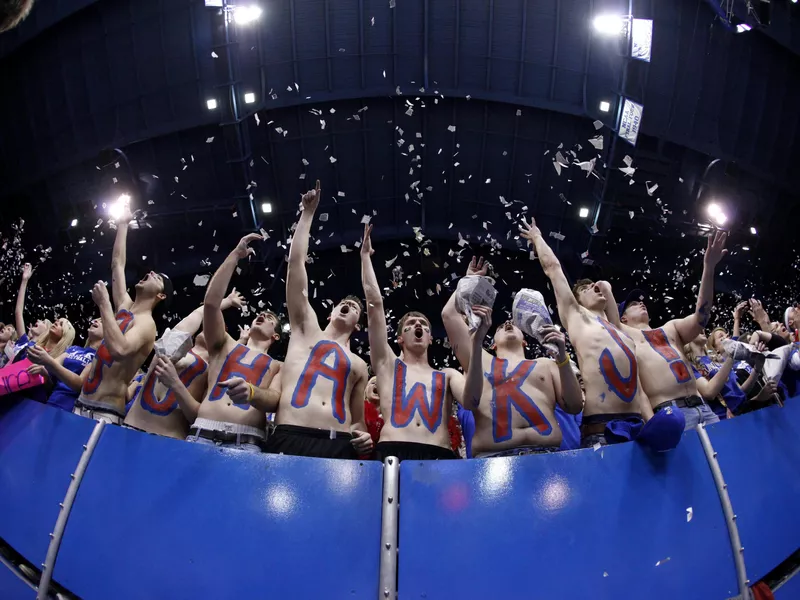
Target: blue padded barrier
{"points": [[162, 518], [573, 525], [39, 449], [760, 458], [12, 587]]}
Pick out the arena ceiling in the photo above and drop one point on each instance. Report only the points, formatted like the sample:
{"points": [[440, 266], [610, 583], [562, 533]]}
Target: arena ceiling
{"points": [[456, 117]]}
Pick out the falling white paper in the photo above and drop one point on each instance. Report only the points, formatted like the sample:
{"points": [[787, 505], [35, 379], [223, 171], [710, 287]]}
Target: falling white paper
{"points": [[689, 514], [598, 124], [201, 280], [597, 142], [661, 562]]}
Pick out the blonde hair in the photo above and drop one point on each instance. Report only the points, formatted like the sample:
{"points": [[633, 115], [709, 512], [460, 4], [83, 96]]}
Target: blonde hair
{"points": [[67, 337]]}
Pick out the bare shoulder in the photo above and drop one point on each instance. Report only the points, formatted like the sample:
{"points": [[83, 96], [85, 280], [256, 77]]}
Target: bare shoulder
{"points": [[452, 373], [275, 366], [358, 363]]}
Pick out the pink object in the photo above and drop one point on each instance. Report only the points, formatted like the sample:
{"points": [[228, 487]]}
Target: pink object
{"points": [[15, 377]]}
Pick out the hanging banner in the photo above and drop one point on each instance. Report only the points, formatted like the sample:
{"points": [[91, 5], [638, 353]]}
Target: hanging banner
{"points": [[641, 39], [630, 121]]}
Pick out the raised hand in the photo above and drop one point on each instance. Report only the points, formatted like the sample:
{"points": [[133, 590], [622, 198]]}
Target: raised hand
{"points": [[27, 271], [100, 294], [233, 300], [126, 216], [484, 313], [366, 243], [715, 250], [239, 390], [311, 198], [37, 370], [39, 356], [529, 230], [757, 311], [552, 335], [243, 249], [362, 442], [478, 266], [737, 312], [166, 372], [244, 335]]}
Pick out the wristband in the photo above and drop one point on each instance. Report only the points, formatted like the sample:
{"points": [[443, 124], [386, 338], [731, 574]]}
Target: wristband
{"points": [[564, 363], [252, 392]]}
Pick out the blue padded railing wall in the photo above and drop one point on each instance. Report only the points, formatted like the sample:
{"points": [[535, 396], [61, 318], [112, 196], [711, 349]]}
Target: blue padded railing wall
{"points": [[156, 517]]}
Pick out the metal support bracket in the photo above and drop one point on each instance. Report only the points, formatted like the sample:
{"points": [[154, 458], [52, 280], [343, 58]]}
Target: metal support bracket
{"points": [[387, 577]]}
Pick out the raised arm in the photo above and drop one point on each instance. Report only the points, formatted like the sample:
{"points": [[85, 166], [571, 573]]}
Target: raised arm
{"points": [[710, 388], [379, 350], [737, 319], [301, 314], [213, 322], [690, 327], [120, 345], [568, 390], [119, 289], [457, 329], [612, 310], [191, 324], [168, 375], [473, 378], [567, 305], [19, 309], [759, 315]]}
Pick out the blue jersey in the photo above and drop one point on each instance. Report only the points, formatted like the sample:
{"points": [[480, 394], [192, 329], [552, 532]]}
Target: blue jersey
{"points": [[75, 359]]}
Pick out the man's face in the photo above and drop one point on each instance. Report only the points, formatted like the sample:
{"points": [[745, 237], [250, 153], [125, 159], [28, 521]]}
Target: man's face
{"points": [[780, 330], [346, 313], [415, 333], [508, 334], [264, 326], [635, 312], [590, 296], [372, 391], [152, 284], [96, 329]]}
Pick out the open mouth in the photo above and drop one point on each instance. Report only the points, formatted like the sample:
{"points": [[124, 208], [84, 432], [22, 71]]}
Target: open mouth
{"points": [[509, 326], [418, 333], [345, 309]]}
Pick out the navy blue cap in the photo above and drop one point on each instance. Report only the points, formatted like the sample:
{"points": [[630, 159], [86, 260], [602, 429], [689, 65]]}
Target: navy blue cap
{"points": [[636, 295]]}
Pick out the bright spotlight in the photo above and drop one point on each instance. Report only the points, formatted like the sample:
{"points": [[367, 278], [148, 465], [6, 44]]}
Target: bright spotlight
{"points": [[753, 231], [713, 209], [742, 27], [115, 208], [246, 14], [719, 218], [211, 103], [249, 98], [609, 24], [605, 106], [583, 212], [74, 223], [266, 207], [745, 248]]}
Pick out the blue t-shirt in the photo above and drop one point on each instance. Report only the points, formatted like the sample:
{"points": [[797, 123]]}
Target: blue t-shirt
{"points": [[570, 428], [21, 346], [75, 359], [731, 392]]}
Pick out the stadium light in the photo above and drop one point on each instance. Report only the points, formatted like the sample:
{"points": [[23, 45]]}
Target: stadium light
{"points": [[211, 103], [716, 213], [74, 223], [742, 27], [609, 24], [266, 207], [115, 208], [745, 248], [583, 212], [605, 106], [243, 15], [753, 231], [249, 98]]}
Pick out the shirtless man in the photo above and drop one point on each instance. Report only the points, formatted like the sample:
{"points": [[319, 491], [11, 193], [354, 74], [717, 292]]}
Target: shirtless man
{"points": [[321, 410], [664, 371], [616, 407], [155, 406], [126, 346], [512, 399], [416, 399], [233, 413]]}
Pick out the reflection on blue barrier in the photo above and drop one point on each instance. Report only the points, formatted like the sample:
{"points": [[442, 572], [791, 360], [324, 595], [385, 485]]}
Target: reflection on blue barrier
{"points": [[157, 517], [789, 590], [573, 525], [760, 458], [12, 587], [39, 449]]}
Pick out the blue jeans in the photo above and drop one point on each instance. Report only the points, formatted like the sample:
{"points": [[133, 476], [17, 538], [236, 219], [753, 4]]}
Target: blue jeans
{"points": [[699, 414], [243, 446]]}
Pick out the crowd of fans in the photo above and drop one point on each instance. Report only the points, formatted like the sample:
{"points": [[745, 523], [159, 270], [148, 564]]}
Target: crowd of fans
{"points": [[630, 379]]}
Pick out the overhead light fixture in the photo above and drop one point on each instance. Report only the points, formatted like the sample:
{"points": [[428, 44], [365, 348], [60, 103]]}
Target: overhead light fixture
{"points": [[583, 212], [249, 98], [211, 103], [244, 15], [609, 24], [742, 27], [753, 231], [716, 213], [266, 207], [605, 106], [115, 208], [745, 248], [74, 223]]}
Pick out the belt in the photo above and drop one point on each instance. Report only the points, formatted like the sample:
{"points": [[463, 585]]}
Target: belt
{"points": [[593, 428], [687, 402], [226, 437]]}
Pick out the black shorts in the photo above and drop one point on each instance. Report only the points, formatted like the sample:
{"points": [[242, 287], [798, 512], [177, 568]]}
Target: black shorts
{"points": [[309, 441], [412, 451]]}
